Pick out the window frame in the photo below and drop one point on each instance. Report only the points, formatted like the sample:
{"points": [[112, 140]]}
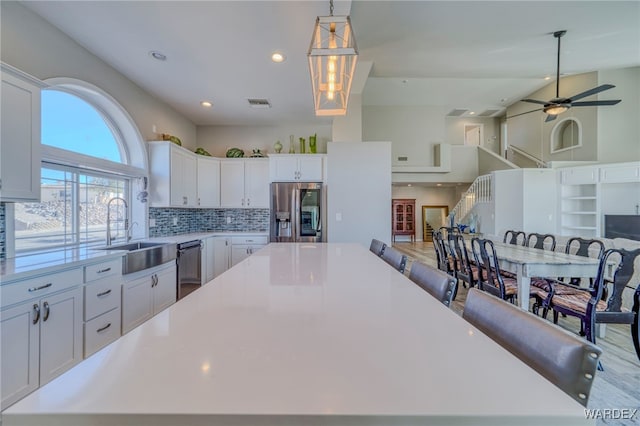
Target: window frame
{"points": [[555, 133]]}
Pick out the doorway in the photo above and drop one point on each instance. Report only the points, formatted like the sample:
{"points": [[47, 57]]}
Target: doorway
{"points": [[433, 217], [473, 134]]}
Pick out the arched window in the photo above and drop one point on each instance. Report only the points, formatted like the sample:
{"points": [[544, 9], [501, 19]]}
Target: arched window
{"points": [[92, 155], [70, 123]]}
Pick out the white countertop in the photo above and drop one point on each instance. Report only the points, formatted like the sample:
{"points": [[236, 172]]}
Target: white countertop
{"points": [[45, 262], [24, 266], [301, 334]]}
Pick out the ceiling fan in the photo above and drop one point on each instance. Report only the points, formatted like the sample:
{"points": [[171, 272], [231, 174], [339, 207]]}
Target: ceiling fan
{"points": [[559, 105]]}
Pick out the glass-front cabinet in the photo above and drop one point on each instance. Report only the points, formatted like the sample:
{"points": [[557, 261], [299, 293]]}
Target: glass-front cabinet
{"points": [[404, 217]]}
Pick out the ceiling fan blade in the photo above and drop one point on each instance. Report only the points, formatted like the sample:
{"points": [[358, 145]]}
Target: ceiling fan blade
{"points": [[550, 118], [534, 101], [523, 113], [592, 91], [596, 103]]}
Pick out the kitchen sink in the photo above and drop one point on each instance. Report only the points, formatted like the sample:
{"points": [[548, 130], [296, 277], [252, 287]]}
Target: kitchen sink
{"points": [[144, 255]]}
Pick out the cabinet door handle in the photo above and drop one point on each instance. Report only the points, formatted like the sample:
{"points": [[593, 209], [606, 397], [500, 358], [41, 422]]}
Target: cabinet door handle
{"points": [[198, 200], [243, 201], [42, 287], [248, 201], [36, 311], [102, 271], [103, 328], [104, 293], [46, 311]]}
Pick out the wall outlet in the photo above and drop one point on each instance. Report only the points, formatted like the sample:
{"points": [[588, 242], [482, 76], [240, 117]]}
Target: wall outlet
{"points": [[152, 223], [228, 219], [175, 220]]}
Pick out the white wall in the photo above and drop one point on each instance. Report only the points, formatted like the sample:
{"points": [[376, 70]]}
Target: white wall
{"points": [[349, 127], [34, 46], [619, 125], [218, 139], [507, 195], [358, 192], [411, 130], [539, 200]]}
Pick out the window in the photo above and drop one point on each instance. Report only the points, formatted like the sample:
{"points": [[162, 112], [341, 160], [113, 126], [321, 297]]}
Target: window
{"points": [[85, 177], [72, 210], [566, 134]]}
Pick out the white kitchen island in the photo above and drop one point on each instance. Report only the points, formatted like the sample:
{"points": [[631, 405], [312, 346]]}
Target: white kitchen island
{"points": [[301, 334]]}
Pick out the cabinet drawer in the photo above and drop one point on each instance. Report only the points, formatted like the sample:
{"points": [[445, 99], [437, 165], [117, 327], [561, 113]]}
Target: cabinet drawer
{"points": [[101, 296], [620, 174], [251, 240], [101, 331], [580, 176], [103, 269], [20, 291]]}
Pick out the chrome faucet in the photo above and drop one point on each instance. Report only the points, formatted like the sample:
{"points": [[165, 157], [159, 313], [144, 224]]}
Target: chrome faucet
{"points": [[126, 220]]}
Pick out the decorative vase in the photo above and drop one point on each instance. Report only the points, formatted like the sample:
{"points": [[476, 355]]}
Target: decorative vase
{"points": [[277, 147], [302, 148], [291, 148], [312, 143]]}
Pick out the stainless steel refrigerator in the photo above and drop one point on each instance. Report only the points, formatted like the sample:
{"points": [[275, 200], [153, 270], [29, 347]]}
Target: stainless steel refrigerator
{"points": [[297, 212]]}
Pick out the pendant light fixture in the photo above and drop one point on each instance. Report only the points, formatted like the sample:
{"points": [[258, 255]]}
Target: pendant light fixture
{"points": [[332, 63]]}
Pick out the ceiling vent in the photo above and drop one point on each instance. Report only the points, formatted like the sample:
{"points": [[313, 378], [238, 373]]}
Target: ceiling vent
{"points": [[457, 113], [259, 103], [488, 113]]}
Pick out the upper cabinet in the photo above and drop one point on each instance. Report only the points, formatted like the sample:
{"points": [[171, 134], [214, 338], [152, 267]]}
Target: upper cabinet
{"points": [[20, 147], [208, 182], [296, 168], [579, 175], [173, 176], [244, 183]]}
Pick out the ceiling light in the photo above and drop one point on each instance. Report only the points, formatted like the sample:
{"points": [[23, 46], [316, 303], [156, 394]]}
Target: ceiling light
{"points": [[471, 113], [332, 62], [408, 184], [438, 184], [158, 55], [547, 78], [555, 109], [277, 57], [206, 104]]}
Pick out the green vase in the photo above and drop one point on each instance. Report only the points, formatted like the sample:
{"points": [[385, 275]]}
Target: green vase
{"points": [[312, 144], [302, 146], [277, 147]]}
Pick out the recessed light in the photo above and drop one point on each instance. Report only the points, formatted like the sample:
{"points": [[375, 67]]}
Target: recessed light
{"points": [[158, 55], [547, 78], [206, 104], [277, 57], [438, 184], [471, 112], [408, 184]]}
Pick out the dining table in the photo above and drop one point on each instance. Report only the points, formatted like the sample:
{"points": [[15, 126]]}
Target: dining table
{"points": [[302, 334], [528, 262]]}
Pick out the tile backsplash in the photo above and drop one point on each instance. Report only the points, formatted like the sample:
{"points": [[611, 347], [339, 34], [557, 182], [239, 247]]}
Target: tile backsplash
{"points": [[3, 232], [202, 220]]}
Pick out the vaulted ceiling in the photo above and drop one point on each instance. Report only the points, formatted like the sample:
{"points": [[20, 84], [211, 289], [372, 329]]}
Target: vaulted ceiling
{"points": [[473, 55]]}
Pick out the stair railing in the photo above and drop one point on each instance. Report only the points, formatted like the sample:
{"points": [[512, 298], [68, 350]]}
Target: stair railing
{"points": [[539, 163], [478, 192]]}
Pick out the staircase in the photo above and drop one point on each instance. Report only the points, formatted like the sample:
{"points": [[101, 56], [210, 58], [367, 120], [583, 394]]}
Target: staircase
{"points": [[478, 192]]}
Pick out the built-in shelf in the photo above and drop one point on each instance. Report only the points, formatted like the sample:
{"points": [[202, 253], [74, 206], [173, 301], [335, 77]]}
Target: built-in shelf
{"points": [[590, 228], [579, 198], [580, 209], [587, 213]]}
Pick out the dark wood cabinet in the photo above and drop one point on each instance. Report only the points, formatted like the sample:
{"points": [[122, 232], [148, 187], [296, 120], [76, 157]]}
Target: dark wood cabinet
{"points": [[403, 211]]}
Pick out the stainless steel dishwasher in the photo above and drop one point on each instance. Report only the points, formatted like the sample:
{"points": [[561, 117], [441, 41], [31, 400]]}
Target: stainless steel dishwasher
{"points": [[189, 267]]}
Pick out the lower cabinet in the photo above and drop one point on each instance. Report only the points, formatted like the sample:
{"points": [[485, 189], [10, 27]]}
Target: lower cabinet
{"points": [[41, 339], [146, 293], [221, 254], [244, 246]]}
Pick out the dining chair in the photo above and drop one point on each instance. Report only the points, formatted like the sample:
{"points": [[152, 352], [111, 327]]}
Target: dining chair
{"points": [[466, 271], [377, 247], [588, 305], [514, 237], [437, 283], [394, 258], [564, 359], [490, 279], [540, 287], [541, 241], [442, 254]]}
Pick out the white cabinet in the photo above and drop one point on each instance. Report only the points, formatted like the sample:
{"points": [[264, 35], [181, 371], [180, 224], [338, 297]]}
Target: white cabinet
{"points": [[173, 175], [244, 183], [41, 339], [208, 182], [146, 293], [296, 168], [20, 147], [579, 175], [620, 173], [580, 210], [102, 299], [221, 254], [244, 246], [209, 257]]}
